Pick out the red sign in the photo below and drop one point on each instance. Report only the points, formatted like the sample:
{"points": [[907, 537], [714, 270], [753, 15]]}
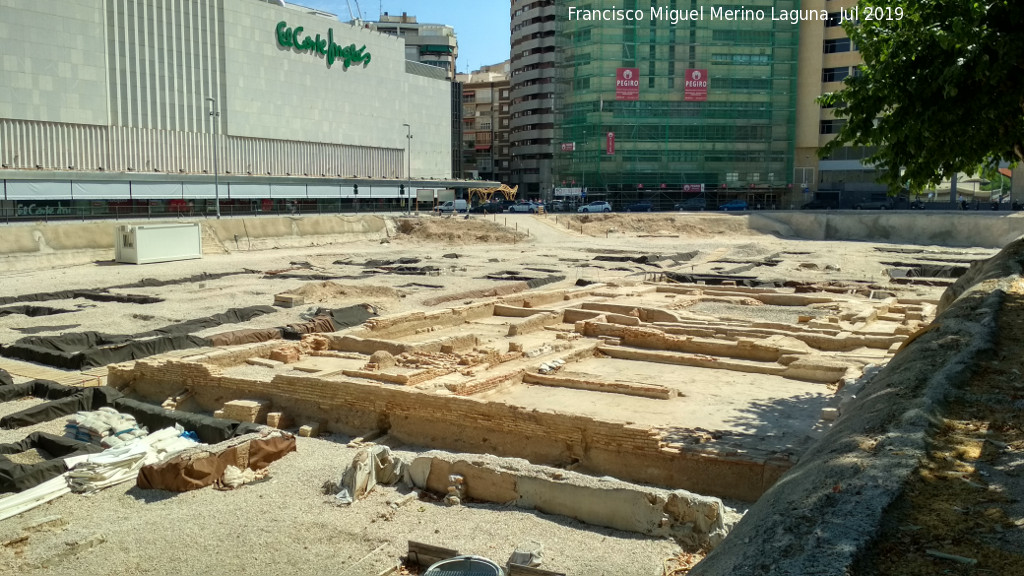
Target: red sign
{"points": [[696, 85], [627, 84], [693, 187], [611, 144], [568, 146]]}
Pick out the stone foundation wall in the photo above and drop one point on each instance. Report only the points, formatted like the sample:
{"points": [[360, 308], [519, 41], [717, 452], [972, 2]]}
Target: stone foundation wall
{"points": [[630, 452]]}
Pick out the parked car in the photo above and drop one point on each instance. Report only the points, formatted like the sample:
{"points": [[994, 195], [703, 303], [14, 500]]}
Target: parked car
{"points": [[487, 208], [819, 205], [531, 207], [886, 204], [557, 206], [698, 203], [734, 205], [595, 206], [642, 206]]}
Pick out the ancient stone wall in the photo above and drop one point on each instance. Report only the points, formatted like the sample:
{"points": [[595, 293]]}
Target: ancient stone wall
{"points": [[630, 452]]}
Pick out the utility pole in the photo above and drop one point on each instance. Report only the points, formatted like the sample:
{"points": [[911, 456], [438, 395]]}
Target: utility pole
{"points": [[214, 114], [408, 170], [583, 183]]}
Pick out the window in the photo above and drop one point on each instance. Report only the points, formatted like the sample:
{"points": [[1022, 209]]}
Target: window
{"points": [[831, 126], [837, 45], [835, 74], [834, 18]]}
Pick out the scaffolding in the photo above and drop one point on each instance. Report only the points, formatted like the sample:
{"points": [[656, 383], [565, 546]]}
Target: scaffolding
{"points": [[739, 143], [485, 194]]}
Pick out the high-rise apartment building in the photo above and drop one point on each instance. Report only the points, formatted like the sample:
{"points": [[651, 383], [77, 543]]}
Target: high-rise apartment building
{"points": [[486, 101], [532, 120], [827, 57], [431, 44], [648, 109]]}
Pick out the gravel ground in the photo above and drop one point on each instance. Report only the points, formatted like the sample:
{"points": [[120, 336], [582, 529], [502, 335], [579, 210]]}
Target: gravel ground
{"points": [[766, 313], [285, 525]]}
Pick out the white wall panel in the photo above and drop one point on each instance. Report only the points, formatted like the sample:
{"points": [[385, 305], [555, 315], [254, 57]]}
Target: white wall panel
{"points": [[315, 191], [198, 191], [288, 191], [38, 190], [250, 190], [100, 190], [156, 190]]}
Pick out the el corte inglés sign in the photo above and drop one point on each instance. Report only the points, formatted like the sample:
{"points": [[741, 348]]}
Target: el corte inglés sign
{"points": [[349, 55]]}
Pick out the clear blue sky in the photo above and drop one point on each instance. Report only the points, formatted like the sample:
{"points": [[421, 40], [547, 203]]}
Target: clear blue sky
{"points": [[482, 26]]}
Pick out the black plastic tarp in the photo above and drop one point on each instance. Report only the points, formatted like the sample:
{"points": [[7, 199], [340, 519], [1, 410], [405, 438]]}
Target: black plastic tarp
{"points": [[209, 429], [17, 477], [33, 311], [15, 391], [85, 399], [90, 349]]}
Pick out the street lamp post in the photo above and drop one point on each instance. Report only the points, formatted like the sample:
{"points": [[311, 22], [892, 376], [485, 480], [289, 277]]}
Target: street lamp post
{"points": [[583, 162], [214, 114], [408, 160]]}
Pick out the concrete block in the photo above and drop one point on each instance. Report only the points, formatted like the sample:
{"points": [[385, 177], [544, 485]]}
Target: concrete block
{"points": [[829, 414], [309, 430], [288, 300]]}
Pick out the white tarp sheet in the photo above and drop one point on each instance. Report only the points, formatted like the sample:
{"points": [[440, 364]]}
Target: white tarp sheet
{"points": [[100, 190], [156, 190], [38, 190]]}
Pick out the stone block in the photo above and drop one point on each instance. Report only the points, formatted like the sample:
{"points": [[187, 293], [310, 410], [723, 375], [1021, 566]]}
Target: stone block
{"points": [[278, 420], [265, 362], [246, 410], [286, 354], [310, 430], [829, 414], [288, 300]]}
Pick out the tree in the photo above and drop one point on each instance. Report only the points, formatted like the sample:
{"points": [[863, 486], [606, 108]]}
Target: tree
{"points": [[941, 90]]}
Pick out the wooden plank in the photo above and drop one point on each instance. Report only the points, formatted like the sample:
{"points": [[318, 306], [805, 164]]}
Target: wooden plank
{"points": [[520, 570], [425, 555]]}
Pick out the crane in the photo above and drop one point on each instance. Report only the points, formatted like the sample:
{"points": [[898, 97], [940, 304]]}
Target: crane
{"points": [[359, 10]]}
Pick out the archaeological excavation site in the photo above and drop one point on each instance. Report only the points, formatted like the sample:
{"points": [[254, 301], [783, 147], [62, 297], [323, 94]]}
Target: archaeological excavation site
{"points": [[657, 394]]}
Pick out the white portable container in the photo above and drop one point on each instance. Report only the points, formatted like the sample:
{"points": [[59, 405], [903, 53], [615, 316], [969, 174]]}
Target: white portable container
{"points": [[149, 243]]}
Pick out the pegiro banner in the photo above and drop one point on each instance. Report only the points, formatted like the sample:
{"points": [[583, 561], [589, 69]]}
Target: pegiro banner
{"points": [[627, 84], [696, 85]]}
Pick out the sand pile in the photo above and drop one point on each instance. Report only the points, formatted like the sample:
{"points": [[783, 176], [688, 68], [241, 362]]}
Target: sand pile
{"points": [[669, 223], [458, 230], [334, 293]]}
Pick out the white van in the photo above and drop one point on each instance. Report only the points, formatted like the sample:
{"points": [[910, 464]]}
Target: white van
{"points": [[453, 206]]}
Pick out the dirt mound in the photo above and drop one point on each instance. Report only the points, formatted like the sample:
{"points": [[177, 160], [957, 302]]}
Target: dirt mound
{"points": [[669, 223], [332, 292], [458, 230]]}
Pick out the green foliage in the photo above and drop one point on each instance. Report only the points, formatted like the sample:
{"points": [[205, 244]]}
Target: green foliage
{"points": [[941, 91]]}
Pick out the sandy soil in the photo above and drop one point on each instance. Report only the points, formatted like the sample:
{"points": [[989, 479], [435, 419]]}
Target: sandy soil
{"points": [[285, 525]]}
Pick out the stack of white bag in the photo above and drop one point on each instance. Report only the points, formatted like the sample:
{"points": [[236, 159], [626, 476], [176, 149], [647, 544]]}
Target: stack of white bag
{"points": [[105, 426], [116, 465], [90, 473]]}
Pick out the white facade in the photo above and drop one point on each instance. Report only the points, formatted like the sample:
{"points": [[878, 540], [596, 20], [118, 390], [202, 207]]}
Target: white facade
{"points": [[121, 86]]}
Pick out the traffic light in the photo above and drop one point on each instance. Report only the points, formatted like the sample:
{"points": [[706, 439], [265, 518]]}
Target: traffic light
{"points": [[401, 189], [355, 189]]}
